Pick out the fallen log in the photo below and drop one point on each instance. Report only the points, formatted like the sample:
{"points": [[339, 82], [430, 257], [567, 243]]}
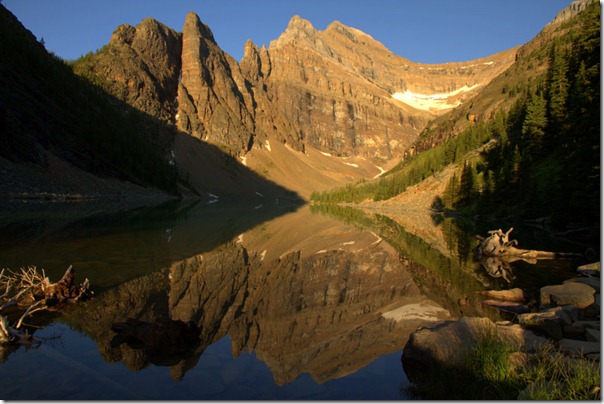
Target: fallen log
{"points": [[498, 244]]}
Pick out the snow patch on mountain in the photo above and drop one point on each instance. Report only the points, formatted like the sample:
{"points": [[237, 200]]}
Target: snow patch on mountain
{"points": [[432, 102]]}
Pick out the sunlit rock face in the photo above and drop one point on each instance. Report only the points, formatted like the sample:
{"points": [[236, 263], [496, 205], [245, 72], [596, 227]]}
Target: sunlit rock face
{"points": [[212, 98], [142, 64], [340, 89]]}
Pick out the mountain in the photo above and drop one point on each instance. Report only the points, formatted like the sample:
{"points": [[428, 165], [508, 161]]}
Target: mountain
{"points": [[350, 96], [525, 148], [504, 90], [62, 139], [106, 134], [335, 105], [313, 111]]}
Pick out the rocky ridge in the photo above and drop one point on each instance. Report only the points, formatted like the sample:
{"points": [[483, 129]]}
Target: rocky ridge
{"points": [[338, 91]]}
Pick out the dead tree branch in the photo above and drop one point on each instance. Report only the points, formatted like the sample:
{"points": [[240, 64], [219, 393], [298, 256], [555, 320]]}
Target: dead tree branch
{"points": [[33, 291]]}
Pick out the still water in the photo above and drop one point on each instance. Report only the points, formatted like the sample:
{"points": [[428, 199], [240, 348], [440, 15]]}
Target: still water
{"points": [[286, 302]]}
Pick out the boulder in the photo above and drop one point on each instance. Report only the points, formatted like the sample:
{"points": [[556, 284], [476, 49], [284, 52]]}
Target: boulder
{"points": [[547, 322], [448, 342], [579, 294], [591, 281], [595, 324], [592, 335], [511, 295], [592, 269], [444, 342], [567, 314], [507, 306], [578, 347], [574, 331]]}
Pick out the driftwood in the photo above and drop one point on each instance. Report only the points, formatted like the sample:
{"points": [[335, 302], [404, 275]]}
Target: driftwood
{"points": [[497, 251], [30, 291], [498, 244]]}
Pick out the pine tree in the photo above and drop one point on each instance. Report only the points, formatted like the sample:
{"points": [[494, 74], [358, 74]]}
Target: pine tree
{"points": [[557, 91], [468, 187], [451, 194], [535, 121]]}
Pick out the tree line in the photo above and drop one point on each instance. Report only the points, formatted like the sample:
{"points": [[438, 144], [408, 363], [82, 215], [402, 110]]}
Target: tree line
{"points": [[546, 162]]}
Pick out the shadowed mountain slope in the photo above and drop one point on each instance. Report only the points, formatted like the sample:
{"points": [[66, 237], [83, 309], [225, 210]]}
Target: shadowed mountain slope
{"points": [[106, 136]]}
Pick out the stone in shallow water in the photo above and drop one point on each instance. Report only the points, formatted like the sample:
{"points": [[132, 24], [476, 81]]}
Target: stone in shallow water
{"points": [[548, 322], [590, 269], [448, 342], [510, 307], [511, 295], [579, 294]]}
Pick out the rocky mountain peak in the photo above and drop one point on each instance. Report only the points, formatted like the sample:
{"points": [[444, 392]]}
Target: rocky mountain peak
{"points": [[194, 26], [124, 34], [212, 95], [141, 66], [298, 30], [573, 9], [337, 29]]}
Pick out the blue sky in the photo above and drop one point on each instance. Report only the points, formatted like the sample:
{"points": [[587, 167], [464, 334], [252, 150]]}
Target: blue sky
{"points": [[428, 31]]}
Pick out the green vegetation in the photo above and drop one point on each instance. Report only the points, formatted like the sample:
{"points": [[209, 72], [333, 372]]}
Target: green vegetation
{"points": [[411, 171], [495, 370], [539, 158]]}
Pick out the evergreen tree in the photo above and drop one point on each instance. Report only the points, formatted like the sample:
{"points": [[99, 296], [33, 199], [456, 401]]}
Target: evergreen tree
{"points": [[557, 91], [535, 121], [468, 186], [451, 194]]}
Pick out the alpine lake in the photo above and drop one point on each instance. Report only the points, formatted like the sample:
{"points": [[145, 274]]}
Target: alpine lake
{"points": [[285, 301]]}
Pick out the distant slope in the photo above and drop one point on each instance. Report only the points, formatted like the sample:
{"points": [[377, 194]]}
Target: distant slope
{"points": [[531, 148], [505, 89]]}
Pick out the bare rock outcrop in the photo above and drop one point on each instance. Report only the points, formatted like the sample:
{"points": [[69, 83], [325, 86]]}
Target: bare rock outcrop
{"points": [[342, 92], [141, 65], [212, 97]]}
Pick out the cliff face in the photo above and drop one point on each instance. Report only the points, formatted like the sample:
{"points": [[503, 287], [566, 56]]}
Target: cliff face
{"points": [[342, 92], [338, 92], [141, 65], [213, 100]]}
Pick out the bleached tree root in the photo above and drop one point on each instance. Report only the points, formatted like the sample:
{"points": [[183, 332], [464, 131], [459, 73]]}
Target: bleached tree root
{"points": [[498, 244], [31, 291]]}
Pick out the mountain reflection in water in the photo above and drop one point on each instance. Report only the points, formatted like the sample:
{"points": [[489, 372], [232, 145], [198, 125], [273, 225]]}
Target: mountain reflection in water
{"points": [[287, 292]]}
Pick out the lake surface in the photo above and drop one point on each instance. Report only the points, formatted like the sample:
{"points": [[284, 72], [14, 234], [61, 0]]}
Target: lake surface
{"points": [[287, 302]]}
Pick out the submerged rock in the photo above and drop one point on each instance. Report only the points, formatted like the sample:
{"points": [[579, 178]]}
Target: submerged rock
{"points": [[511, 295], [163, 340]]}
